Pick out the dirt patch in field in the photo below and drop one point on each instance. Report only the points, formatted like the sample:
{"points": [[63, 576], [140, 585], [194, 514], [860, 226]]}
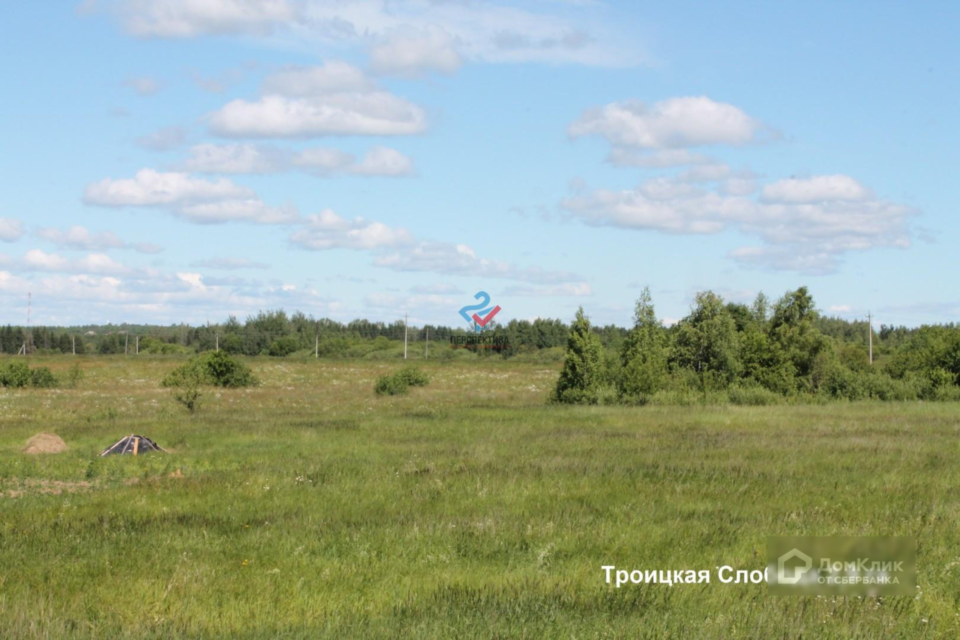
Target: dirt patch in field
{"points": [[45, 443]]}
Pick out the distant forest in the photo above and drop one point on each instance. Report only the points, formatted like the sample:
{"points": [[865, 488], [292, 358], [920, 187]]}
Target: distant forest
{"points": [[784, 346]]}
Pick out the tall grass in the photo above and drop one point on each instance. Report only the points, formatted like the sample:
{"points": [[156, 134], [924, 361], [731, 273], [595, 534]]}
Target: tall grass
{"points": [[308, 507]]}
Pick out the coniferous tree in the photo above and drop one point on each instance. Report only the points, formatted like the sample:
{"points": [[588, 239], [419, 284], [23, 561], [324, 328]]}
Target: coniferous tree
{"points": [[643, 354], [580, 378]]}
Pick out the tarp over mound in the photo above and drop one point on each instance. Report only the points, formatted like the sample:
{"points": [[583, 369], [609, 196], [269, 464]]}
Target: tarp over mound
{"points": [[134, 445]]}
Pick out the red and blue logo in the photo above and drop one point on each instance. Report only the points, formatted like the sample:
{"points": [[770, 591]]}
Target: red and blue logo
{"points": [[482, 312]]}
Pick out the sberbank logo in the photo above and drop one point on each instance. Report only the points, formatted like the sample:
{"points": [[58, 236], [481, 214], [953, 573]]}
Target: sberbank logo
{"points": [[787, 570], [842, 565]]}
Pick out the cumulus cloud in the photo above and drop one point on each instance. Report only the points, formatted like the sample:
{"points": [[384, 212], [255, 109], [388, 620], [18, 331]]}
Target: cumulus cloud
{"points": [[437, 289], [77, 237], [261, 159], [660, 159], [382, 161], [676, 123], [809, 230], [188, 18], [412, 53], [327, 230], [375, 113], [149, 187], [237, 210], [94, 263], [193, 199], [11, 229], [815, 189], [568, 289], [306, 102]]}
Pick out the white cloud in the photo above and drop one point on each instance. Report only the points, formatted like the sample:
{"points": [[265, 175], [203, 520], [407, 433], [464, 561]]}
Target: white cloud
{"points": [[320, 161], [675, 123], [496, 32], [229, 264], [235, 159], [327, 230], [840, 308], [77, 237], [239, 210], [412, 53], [376, 113], [815, 189], [382, 161], [163, 139], [150, 187], [187, 18], [332, 77], [799, 236], [94, 263], [11, 229], [144, 85]]}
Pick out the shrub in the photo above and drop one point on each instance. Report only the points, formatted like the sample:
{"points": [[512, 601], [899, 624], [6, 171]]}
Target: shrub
{"points": [[74, 375], [400, 382], [388, 385], [284, 346], [42, 378], [216, 368], [15, 374], [413, 377], [188, 392]]}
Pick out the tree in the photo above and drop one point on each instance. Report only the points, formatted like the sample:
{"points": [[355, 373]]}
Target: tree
{"points": [[580, 377], [643, 354], [707, 342]]}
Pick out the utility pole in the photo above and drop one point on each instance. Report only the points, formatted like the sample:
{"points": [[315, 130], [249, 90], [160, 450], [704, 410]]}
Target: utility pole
{"points": [[126, 342], [404, 336], [28, 339], [870, 334], [138, 345], [426, 347], [73, 341], [316, 346], [217, 339]]}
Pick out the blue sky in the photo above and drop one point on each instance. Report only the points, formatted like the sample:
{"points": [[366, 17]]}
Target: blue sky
{"points": [[182, 160]]}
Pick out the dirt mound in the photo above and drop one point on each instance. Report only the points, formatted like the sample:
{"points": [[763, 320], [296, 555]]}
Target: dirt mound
{"points": [[45, 443]]}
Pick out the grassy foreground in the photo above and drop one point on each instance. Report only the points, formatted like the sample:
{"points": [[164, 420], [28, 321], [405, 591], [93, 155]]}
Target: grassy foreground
{"points": [[308, 507]]}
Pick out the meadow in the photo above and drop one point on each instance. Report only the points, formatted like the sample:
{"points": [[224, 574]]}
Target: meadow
{"points": [[309, 507]]}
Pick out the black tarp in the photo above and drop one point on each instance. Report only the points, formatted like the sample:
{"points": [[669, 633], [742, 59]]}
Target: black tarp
{"points": [[133, 445]]}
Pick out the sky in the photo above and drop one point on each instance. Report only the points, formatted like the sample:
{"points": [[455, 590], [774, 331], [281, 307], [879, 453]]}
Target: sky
{"points": [[177, 161]]}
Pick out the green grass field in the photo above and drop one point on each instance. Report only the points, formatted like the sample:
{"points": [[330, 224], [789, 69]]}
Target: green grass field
{"points": [[308, 507]]}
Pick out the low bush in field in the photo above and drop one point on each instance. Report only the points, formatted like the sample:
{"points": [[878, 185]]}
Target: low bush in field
{"points": [[753, 396], [400, 382], [215, 368], [18, 375]]}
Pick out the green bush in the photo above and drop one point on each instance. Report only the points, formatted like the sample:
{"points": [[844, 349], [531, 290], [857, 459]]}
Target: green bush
{"points": [[74, 375], [215, 368], [413, 377], [42, 378], [388, 385], [15, 374], [284, 346]]}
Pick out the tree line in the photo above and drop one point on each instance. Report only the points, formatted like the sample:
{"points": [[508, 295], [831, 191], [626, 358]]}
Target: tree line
{"points": [[756, 354]]}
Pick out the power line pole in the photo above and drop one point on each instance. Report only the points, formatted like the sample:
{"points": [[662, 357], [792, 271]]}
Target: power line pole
{"points": [[404, 336], [426, 347], [126, 342], [316, 346], [870, 334], [138, 345], [217, 339], [73, 341]]}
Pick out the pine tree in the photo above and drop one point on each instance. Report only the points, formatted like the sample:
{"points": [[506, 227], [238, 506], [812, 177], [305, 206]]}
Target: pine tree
{"points": [[643, 354], [580, 378]]}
